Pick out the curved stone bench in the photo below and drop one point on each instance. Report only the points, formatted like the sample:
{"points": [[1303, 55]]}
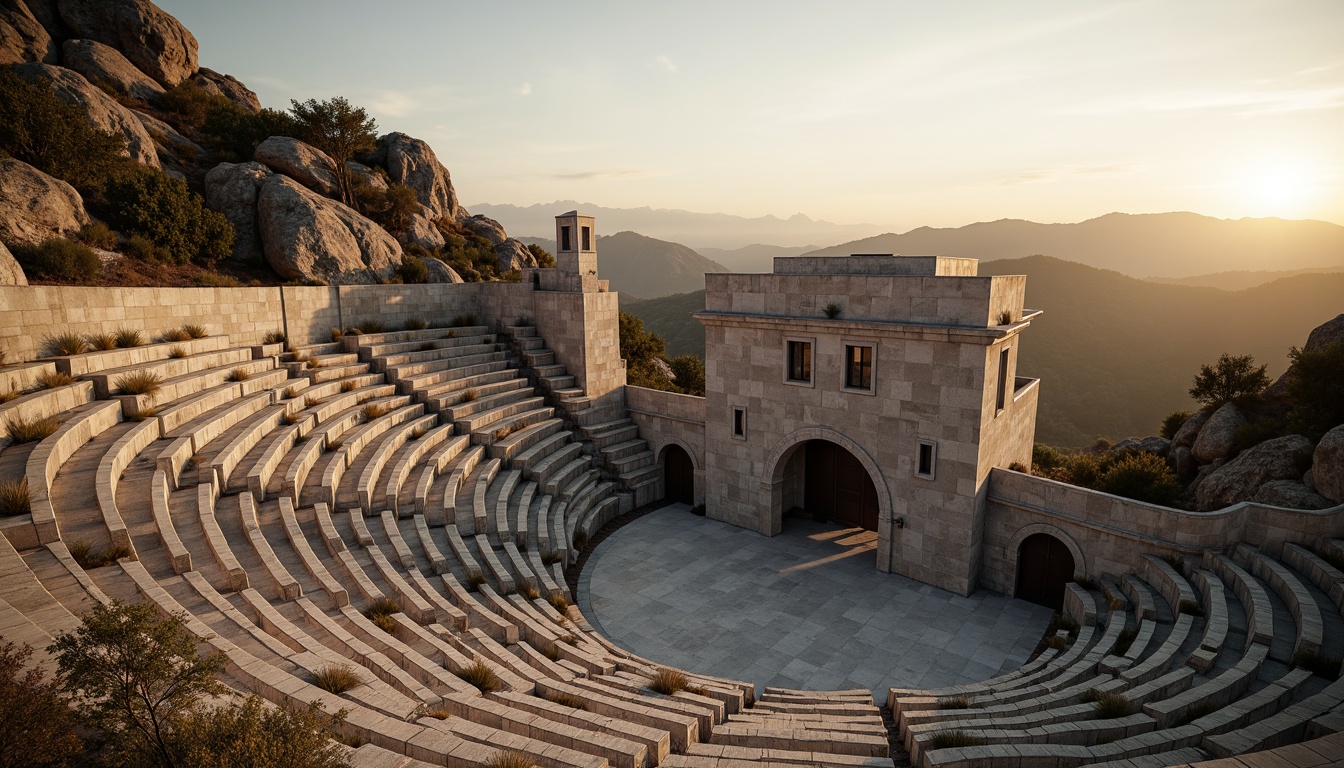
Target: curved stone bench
{"points": [[1259, 611], [1327, 578], [409, 460], [497, 526], [206, 495], [485, 476], [44, 403], [53, 451], [108, 476], [466, 464], [353, 445], [1295, 594], [89, 363], [178, 555], [1215, 620], [381, 453], [285, 585], [434, 380], [219, 468], [311, 562]]}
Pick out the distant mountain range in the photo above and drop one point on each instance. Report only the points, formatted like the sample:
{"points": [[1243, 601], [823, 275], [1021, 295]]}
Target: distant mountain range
{"points": [[1147, 245], [710, 230], [1115, 353], [754, 257], [1240, 280], [641, 266]]}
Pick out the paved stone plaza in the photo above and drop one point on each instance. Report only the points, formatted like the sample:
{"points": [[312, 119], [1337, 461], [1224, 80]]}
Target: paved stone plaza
{"points": [[804, 609]]}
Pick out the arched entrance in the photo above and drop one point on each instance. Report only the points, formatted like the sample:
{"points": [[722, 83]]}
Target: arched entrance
{"points": [[678, 475], [836, 486], [1044, 567]]}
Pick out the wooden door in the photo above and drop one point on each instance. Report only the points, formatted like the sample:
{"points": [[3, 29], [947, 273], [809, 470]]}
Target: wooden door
{"points": [[678, 475], [1044, 567], [837, 486]]}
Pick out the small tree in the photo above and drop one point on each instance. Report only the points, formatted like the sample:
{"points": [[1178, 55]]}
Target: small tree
{"points": [[1173, 423], [150, 203], [1316, 389], [689, 371], [543, 256], [36, 722], [250, 735], [340, 129], [1140, 475], [1231, 378], [234, 131], [136, 674]]}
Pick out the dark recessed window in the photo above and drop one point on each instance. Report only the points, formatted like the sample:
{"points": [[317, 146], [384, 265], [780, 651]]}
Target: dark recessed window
{"points": [[1002, 396], [800, 361], [926, 459], [858, 367], [587, 238], [739, 422], [565, 244]]}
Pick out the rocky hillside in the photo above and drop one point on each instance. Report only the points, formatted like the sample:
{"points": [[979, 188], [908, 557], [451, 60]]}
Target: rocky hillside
{"points": [[126, 81], [645, 267]]}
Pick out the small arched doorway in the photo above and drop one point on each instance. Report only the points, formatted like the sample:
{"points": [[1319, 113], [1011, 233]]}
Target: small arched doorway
{"points": [[678, 475], [1044, 567], [836, 486]]}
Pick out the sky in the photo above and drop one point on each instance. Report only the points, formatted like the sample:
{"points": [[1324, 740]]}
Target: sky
{"points": [[896, 114]]}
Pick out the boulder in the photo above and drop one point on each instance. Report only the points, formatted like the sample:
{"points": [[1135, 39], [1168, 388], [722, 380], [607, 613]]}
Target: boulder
{"points": [[104, 112], [227, 86], [1290, 494], [440, 272], [1327, 465], [1239, 479], [105, 65], [177, 154], [1144, 444], [49, 16], [514, 255], [485, 227], [35, 206], [1183, 461], [1218, 436], [302, 162], [231, 189], [12, 274], [423, 233], [1185, 436], [306, 236], [1325, 334], [366, 175], [155, 42], [410, 161], [22, 36]]}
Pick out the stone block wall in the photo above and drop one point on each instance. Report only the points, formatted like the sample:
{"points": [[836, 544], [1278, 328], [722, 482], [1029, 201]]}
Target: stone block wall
{"points": [[671, 418], [1110, 534]]}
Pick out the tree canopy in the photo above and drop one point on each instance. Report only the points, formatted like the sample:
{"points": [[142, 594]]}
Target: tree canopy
{"points": [[339, 129], [1231, 378]]}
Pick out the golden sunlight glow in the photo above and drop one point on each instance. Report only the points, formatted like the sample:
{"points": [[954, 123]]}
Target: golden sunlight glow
{"points": [[1277, 186]]}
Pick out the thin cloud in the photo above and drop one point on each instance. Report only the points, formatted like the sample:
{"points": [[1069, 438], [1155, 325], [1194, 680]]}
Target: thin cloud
{"points": [[1247, 102], [525, 89], [607, 174], [406, 103], [1041, 175], [665, 64]]}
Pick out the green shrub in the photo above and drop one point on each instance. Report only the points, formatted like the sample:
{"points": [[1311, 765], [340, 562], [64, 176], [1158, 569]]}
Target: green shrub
{"points": [[98, 235], [142, 248], [412, 270], [393, 207], [689, 371], [1140, 475], [1315, 389], [40, 129], [543, 256], [213, 280], [63, 344], [234, 132], [336, 679], [1231, 378], [60, 260], [189, 104], [150, 203], [1173, 423], [14, 498]]}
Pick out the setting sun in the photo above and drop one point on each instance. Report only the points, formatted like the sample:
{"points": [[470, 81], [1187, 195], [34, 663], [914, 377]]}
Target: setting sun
{"points": [[1277, 186]]}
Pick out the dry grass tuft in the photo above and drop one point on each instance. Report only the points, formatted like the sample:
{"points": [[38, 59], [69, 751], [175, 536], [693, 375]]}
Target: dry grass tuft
{"points": [[140, 414], [373, 411], [565, 699], [64, 344], [139, 383], [468, 396], [416, 325], [558, 601], [176, 334], [273, 337], [14, 498], [952, 740], [194, 331], [177, 352], [21, 430], [89, 559], [668, 681], [240, 374], [102, 341], [1112, 706], [336, 679], [482, 676], [348, 386], [52, 380], [509, 758], [127, 338]]}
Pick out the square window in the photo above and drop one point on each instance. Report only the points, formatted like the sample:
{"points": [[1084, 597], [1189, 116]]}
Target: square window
{"points": [[799, 362], [740, 423], [858, 366], [564, 239], [587, 238], [928, 456]]}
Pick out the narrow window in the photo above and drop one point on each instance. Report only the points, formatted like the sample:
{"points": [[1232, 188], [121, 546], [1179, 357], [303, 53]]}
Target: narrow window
{"points": [[800, 361], [587, 238], [739, 422], [564, 239], [858, 367], [926, 459], [1003, 378]]}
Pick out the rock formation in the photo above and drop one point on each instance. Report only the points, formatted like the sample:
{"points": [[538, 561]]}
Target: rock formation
{"points": [[35, 206], [1218, 436], [302, 162], [307, 236], [1242, 477], [1327, 465], [104, 112], [10, 271], [410, 161], [440, 272], [152, 40], [227, 86], [512, 254], [22, 36], [177, 154], [231, 189], [423, 233], [103, 64]]}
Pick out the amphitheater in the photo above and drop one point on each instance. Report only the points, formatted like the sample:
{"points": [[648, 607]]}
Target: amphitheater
{"points": [[274, 492]]}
